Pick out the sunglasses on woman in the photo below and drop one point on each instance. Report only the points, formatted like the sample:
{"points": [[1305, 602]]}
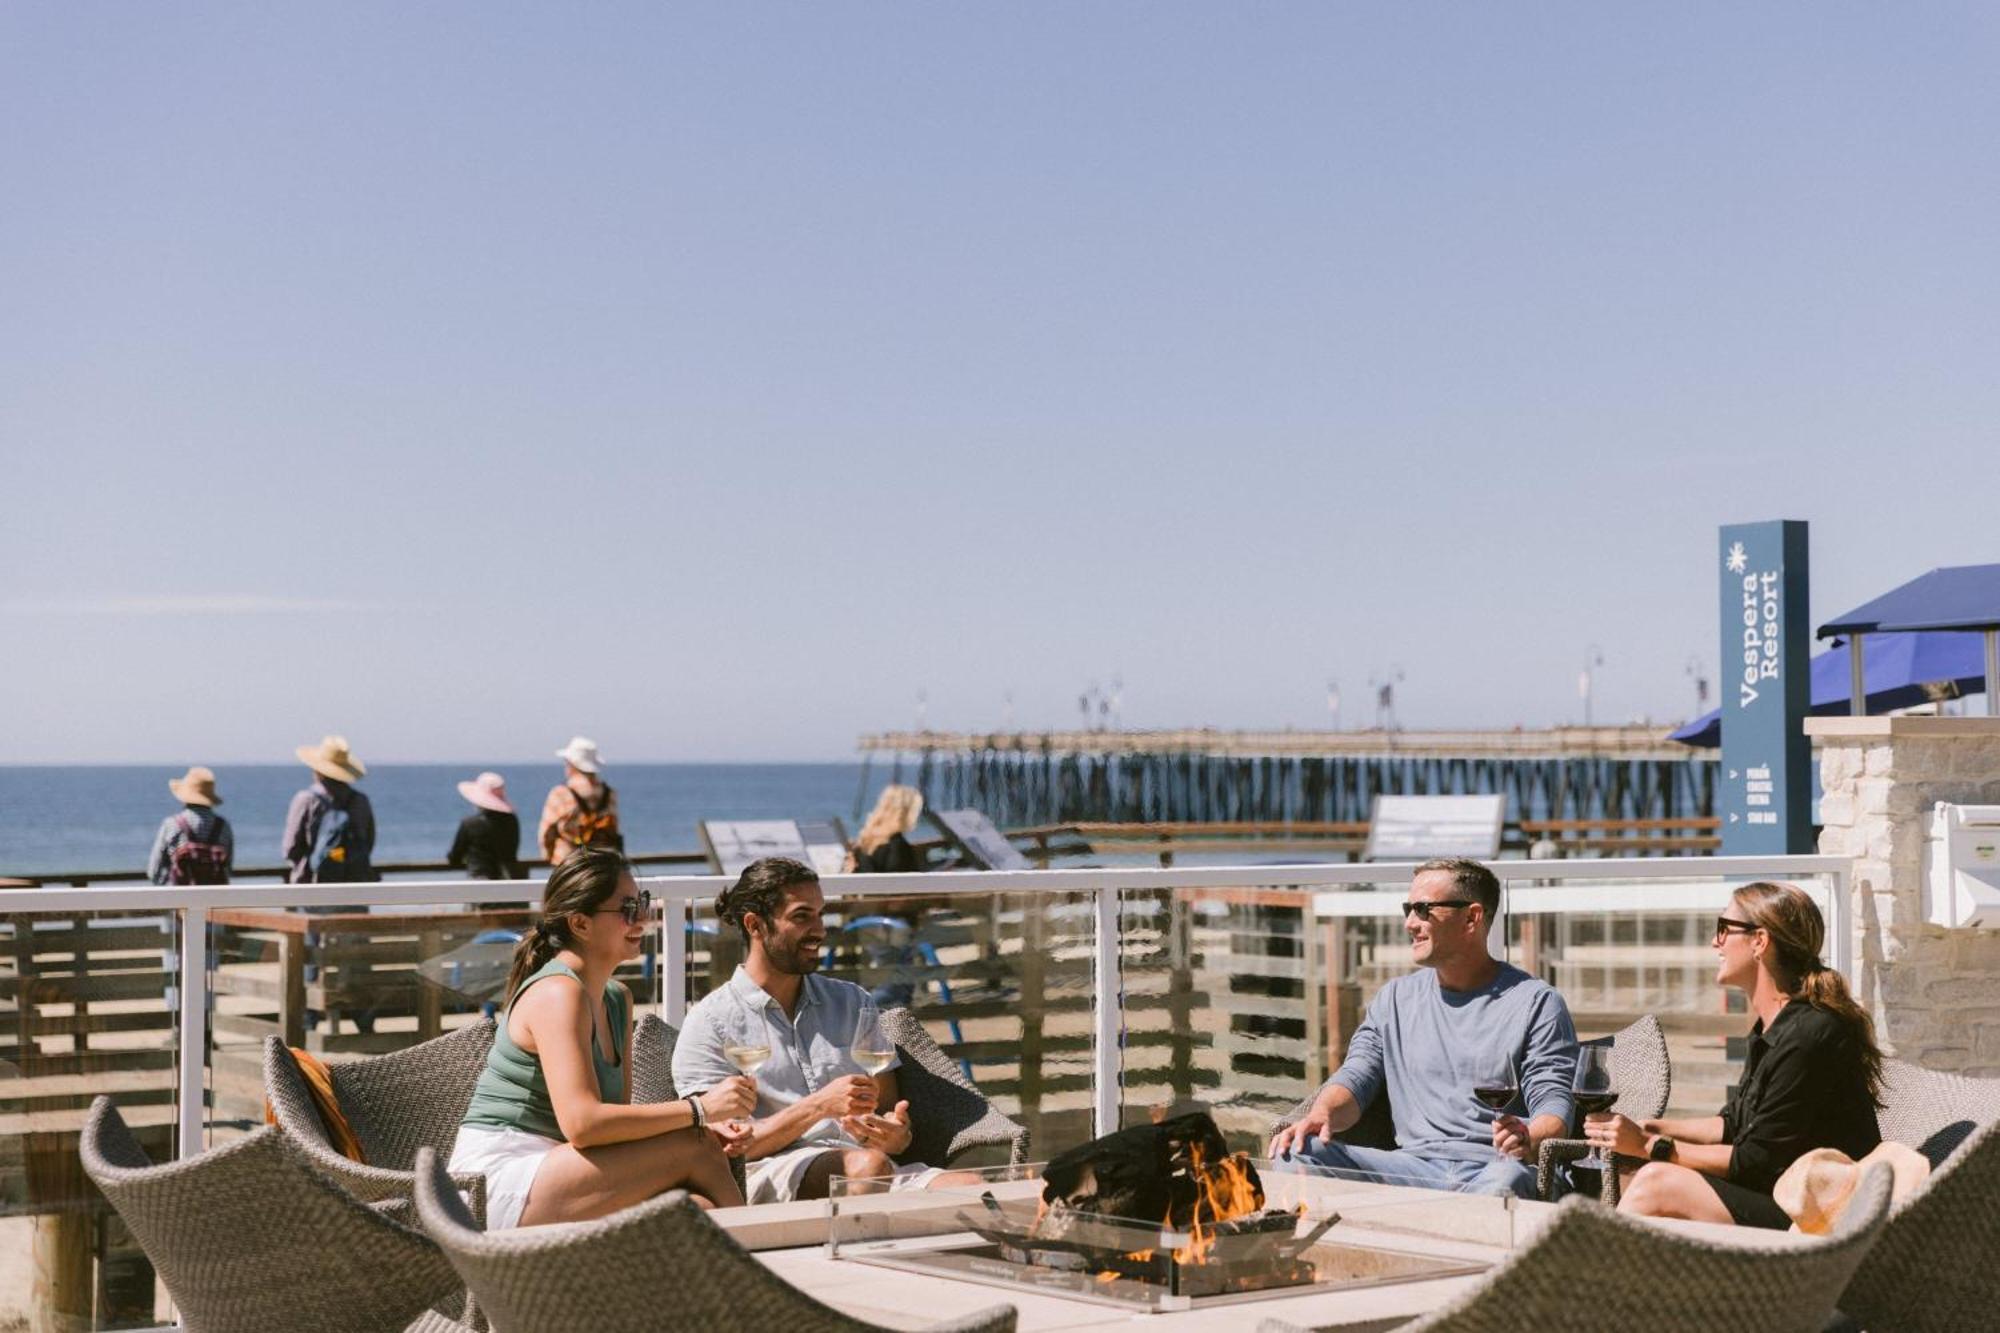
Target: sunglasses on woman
{"points": [[1725, 925], [633, 909]]}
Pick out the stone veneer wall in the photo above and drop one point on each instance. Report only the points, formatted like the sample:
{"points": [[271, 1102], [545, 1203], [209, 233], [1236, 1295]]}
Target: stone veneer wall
{"points": [[1935, 993]]}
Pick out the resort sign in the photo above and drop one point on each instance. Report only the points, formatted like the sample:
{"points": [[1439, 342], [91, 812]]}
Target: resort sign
{"points": [[1766, 798]]}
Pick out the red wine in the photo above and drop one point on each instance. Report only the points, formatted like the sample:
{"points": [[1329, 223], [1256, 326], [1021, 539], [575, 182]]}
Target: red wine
{"points": [[1590, 1103], [1499, 1096]]}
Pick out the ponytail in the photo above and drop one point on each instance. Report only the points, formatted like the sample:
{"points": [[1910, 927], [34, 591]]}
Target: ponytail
{"points": [[585, 881], [1826, 990], [1798, 933]]}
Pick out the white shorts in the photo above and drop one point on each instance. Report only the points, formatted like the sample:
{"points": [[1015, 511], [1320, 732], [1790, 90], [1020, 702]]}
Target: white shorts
{"points": [[776, 1179], [509, 1159]]}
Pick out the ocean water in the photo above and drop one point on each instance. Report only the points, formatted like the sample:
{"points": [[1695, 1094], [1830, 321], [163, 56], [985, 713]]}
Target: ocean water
{"points": [[56, 819]]}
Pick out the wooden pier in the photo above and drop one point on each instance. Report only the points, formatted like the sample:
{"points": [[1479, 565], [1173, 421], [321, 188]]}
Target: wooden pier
{"points": [[1203, 776]]}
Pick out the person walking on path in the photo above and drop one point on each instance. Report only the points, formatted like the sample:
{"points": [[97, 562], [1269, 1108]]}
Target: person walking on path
{"points": [[488, 845], [582, 810], [330, 828], [196, 845]]}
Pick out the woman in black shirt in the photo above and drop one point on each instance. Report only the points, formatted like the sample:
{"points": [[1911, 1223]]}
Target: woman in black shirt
{"points": [[883, 847], [488, 845], [1813, 1077]]}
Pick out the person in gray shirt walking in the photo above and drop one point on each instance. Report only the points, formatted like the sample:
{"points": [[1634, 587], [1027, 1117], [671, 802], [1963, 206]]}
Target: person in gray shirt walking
{"points": [[1433, 1036]]}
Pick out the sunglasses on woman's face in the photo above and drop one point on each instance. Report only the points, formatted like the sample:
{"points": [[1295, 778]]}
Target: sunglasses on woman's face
{"points": [[1729, 925], [633, 909]]}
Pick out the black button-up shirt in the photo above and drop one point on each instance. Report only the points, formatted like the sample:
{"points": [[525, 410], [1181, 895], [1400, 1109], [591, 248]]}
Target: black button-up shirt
{"points": [[1803, 1087]]}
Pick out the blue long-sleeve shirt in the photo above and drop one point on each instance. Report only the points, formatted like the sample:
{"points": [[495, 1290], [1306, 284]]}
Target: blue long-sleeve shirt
{"points": [[1423, 1043]]}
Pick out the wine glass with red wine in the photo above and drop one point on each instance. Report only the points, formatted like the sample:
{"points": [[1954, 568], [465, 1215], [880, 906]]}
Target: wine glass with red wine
{"points": [[1592, 1091], [1496, 1081]]}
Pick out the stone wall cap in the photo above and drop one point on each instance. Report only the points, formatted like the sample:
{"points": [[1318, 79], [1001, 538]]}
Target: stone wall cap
{"points": [[1835, 728]]}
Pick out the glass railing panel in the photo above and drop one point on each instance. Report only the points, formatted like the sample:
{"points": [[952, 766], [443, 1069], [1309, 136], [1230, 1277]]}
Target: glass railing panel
{"points": [[1001, 981], [88, 1006]]}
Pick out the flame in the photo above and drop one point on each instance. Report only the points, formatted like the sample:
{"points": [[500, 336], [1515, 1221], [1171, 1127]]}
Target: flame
{"points": [[1225, 1191]]}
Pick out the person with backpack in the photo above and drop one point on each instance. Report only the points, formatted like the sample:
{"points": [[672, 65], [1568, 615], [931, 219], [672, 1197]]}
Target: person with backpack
{"points": [[196, 845], [330, 828], [581, 811]]}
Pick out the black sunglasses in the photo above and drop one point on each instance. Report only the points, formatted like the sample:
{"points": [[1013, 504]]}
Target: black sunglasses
{"points": [[1725, 925], [632, 909], [1422, 911]]}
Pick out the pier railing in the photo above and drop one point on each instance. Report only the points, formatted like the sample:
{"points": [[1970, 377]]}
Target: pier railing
{"points": [[1078, 999]]}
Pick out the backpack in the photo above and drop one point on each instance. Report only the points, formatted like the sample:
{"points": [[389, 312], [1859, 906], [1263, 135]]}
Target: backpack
{"points": [[585, 827], [337, 854], [193, 861]]}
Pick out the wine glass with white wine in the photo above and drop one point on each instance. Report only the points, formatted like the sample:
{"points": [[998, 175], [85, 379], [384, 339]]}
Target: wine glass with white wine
{"points": [[871, 1049], [747, 1048]]}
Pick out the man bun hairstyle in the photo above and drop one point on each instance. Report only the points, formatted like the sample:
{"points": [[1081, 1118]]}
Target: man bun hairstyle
{"points": [[761, 889], [1472, 880]]}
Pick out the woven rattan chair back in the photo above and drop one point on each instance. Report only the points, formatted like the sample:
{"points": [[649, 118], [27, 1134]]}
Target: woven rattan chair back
{"points": [[949, 1115], [396, 1104], [1934, 1269], [653, 1061], [660, 1265], [1933, 1111], [248, 1237], [1591, 1269]]}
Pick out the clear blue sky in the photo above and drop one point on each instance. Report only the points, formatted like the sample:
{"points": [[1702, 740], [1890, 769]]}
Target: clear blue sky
{"points": [[712, 379]]}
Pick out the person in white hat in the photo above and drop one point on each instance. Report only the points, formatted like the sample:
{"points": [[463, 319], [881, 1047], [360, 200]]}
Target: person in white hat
{"points": [[195, 846], [330, 827], [488, 845], [582, 810]]}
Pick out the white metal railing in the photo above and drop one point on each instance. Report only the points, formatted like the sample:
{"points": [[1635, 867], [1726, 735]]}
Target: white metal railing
{"points": [[1545, 887]]}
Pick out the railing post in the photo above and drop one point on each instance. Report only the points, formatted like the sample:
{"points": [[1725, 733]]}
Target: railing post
{"points": [[1107, 1016], [673, 962], [194, 1029]]}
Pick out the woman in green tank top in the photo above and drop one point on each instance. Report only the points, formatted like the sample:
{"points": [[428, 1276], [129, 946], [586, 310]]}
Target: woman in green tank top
{"points": [[551, 1124]]}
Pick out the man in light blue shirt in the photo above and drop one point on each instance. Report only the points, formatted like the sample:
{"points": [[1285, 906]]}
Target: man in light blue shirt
{"points": [[1430, 1036], [817, 1108]]}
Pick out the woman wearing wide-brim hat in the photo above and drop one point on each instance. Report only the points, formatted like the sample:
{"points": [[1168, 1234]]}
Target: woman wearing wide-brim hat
{"points": [[488, 845], [581, 810], [330, 827], [195, 846]]}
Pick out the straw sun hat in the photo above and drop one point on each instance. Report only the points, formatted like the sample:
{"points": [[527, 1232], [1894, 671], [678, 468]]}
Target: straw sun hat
{"points": [[197, 788], [488, 791], [330, 759], [1815, 1189]]}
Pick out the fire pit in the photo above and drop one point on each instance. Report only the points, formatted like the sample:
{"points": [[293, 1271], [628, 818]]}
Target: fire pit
{"points": [[1157, 1217]]}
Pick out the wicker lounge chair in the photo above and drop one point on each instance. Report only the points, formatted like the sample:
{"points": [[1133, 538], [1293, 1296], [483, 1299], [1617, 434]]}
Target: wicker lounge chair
{"points": [[249, 1237], [949, 1115], [1591, 1269], [1934, 1267], [1639, 1069], [1644, 1077], [662, 1265], [396, 1104]]}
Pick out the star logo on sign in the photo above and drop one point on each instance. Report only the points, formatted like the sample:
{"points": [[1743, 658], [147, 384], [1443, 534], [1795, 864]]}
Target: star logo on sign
{"points": [[1739, 559]]}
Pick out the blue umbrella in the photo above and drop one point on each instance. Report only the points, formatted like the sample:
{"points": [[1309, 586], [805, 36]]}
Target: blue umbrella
{"points": [[1899, 670]]}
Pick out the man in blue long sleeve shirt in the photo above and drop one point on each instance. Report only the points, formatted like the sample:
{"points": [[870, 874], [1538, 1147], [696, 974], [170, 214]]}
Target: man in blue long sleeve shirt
{"points": [[1425, 1039]]}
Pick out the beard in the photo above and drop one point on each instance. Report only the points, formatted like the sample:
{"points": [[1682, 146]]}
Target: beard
{"points": [[796, 961]]}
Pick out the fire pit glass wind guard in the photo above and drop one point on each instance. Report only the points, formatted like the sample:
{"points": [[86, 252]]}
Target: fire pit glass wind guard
{"points": [[1303, 1241]]}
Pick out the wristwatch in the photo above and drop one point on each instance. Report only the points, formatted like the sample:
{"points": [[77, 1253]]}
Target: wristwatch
{"points": [[1662, 1149]]}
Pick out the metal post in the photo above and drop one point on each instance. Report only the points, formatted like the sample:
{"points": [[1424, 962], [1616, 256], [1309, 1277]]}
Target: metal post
{"points": [[1993, 673], [673, 962], [1106, 1006], [194, 1028], [1857, 684]]}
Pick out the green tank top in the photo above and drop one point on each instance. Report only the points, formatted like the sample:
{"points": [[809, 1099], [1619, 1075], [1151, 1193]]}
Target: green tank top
{"points": [[513, 1094]]}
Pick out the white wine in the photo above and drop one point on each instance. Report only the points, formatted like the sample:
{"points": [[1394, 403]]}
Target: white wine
{"points": [[748, 1059], [874, 1059]]}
